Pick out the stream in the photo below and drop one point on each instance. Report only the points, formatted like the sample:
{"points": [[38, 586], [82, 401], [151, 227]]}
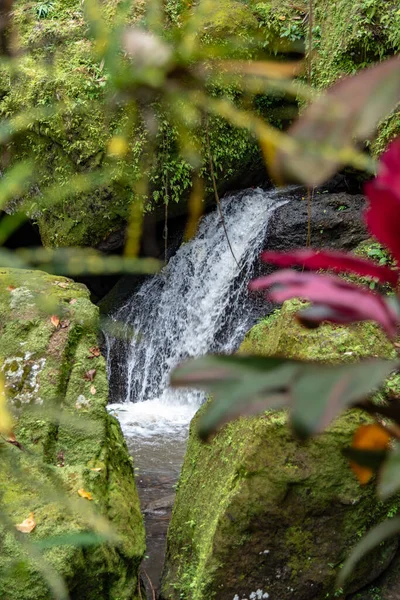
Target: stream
{"points": [[197, 304]]}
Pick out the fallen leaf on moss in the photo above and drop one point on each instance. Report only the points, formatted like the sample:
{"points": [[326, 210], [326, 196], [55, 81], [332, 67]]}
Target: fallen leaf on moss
{"points": [[63, 284], [73, 301], [28, 525], [86, 495], [93, 390], [55, 321], [6, 423], [282, 18], [13, 440], [94, 352], [10, 288], [89, 375], [368, 437], [97, 469]]}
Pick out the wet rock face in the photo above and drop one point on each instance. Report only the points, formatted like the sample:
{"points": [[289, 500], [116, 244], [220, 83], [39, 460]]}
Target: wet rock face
{"points": [[51, 365], [335, 222], [259, 514]]}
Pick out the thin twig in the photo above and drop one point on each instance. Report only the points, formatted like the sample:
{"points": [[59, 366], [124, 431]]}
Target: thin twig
{"points": [[216, 192], [139, 590], [166, 202], [166, 231], [310, 38], [310, 195], [310, 198], [151, 585]]}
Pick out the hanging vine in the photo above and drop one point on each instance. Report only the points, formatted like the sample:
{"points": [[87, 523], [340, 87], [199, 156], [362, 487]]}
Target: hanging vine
{"points": [[310, 192], [214, 182]]}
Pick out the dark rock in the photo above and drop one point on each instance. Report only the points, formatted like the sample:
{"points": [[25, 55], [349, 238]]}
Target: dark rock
{"points": [[386, 587], [335, 220]]}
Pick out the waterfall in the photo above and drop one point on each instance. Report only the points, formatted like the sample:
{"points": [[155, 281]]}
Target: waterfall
{"points": [[197, 304]]}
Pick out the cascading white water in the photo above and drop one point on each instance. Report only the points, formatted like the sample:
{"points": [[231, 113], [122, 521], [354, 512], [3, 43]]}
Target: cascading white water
{"points": [[195, 305]]}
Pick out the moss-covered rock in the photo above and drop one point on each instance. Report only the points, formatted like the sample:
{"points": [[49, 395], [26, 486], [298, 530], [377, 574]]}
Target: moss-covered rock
{"points": [[66, 441], [281, 333], [258, 512]]}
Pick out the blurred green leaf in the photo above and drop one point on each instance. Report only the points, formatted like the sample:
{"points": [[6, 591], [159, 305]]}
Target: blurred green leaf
{"points": [[244, 385], [389, 476], [15, 181], [372, 459], [373, 538], [239, 386], [82, 540], [77, 261], [322, 392]]}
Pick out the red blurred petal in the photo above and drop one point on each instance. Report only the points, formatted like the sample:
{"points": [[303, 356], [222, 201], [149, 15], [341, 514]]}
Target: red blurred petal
{"points": [[389, 172], [335, 261], [383, 216], [344, 302]]}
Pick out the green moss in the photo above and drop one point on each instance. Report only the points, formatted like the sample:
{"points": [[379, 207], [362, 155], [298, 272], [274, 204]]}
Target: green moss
{"points": [[66, 433], [282, 334], [229, 17]]}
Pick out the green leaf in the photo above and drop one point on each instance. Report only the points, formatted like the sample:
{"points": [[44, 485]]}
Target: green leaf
{"points": [[375, 536], [389, 477], [322, 392], [239, 385], [74, 539], [247, 385], [372, 459], [77, 261]]}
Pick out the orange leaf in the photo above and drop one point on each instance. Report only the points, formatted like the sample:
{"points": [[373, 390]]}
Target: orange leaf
{"points": [[13, 440], [28, 525], [10, 288], [89, 375], [368, 437], [94, 351], [86, 495], [55, 320]]}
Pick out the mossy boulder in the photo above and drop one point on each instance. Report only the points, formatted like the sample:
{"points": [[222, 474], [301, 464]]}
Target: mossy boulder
{"points": [[280, 333], [259, 514], [65, 441]]}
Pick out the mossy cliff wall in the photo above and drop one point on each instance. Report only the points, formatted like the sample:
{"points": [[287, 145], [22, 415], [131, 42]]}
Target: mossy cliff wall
{"points": [[258, 512], [66, 442], [60, 66], [347, 36]]}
